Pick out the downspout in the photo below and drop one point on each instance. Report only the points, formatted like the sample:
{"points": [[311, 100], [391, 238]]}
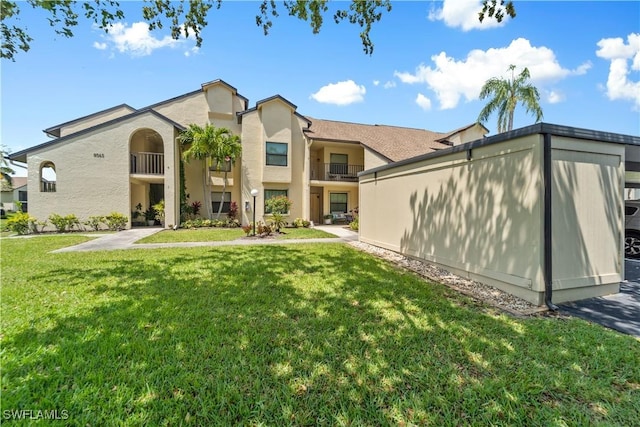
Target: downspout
{"points": [[548, 255]]}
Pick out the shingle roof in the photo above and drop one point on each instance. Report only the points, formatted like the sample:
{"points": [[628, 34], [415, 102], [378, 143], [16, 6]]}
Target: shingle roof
{"points": [[393, 142], [16, 182]]}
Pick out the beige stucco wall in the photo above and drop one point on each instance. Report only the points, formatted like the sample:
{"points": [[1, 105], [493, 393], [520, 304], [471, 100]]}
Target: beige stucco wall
{"points": [[480, 217], [276, 126], [349, 188], [274, 121], [483, 218], [186, 109], [471, 134], [92, 171], [94, 120], [373, 159], [216, 105], [588, 218]]}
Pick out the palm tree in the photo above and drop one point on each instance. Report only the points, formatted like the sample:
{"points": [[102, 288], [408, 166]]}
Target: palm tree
{"points": [[228, 150], [506, 95], [214, 147], [5, 170]]}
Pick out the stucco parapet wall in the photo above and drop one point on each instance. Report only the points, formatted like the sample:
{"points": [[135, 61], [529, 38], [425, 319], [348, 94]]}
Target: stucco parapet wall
{"points": [[538, 128]]}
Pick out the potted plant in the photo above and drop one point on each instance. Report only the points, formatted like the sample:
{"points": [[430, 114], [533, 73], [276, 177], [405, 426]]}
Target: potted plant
{"points": [[159, 211], [328, 219], [137, 213], [150, 216]]}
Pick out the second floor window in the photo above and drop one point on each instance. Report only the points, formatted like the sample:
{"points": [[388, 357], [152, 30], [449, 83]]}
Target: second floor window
{"points": [[339, 163], [277, 153], [220, 167]]}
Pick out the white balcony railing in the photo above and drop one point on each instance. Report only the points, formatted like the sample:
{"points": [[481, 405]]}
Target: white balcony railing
{"points": [[147, 163], [335, 172]]}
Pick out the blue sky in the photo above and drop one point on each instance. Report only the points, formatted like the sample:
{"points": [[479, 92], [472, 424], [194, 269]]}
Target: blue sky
{"points": [[429, 63]]}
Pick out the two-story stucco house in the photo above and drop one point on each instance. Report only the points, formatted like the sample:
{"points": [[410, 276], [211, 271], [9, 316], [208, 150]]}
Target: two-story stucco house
{"points": [[116, 159]]}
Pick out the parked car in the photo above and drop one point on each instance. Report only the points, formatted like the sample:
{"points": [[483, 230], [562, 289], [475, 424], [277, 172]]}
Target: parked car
{"points": [[632, 229]]}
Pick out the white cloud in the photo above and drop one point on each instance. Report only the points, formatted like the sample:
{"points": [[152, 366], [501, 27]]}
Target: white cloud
{"points": [[136, 40], [464, 14], [341, 93], [453, 79], [193, 51], [423, 102], [376, 82], [554, 97], [583, 68], [619, 84], [389, 84]]}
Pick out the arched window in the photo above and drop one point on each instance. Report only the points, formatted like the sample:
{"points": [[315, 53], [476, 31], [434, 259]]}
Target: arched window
{"points": [[48, 177]]}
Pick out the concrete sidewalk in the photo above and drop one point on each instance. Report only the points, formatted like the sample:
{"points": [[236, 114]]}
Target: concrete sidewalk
{"points": [[126, 240]]}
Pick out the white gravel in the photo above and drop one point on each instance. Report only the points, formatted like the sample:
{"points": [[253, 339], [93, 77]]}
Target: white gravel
{"points": [[479, 291]]}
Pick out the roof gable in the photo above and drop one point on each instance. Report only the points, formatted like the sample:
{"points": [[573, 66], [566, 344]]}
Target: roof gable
{"points": [[20, 156], [274, 98], [54, 131], [220, 82]]}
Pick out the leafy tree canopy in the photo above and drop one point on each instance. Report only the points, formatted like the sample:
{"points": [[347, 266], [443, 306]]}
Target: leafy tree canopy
{"points": [[190, 17]]}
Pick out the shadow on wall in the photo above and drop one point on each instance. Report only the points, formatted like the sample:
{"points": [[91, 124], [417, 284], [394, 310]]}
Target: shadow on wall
{"points": [[480, 215], [487, 216], [587, 211]]}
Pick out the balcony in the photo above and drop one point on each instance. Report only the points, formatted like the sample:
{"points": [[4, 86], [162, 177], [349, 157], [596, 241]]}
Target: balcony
{"points": [[47, 187], [142, 163], [335, 172]]}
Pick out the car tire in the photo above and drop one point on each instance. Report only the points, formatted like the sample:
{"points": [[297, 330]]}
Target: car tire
{"points": [[632, 244]]}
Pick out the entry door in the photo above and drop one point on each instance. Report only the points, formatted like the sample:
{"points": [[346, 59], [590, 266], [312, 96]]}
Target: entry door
{"points": [[315, 208], [156, 193]]}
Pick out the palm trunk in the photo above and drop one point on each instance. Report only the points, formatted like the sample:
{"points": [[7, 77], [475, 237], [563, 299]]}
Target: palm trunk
{"points": [[224, 188], [205, 189]]}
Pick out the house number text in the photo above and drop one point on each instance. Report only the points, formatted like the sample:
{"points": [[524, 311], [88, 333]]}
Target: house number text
{"points": [[98, 155]]}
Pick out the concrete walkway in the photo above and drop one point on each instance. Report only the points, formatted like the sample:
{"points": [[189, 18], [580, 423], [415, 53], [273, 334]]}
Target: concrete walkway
{"points": [[126, 240]]}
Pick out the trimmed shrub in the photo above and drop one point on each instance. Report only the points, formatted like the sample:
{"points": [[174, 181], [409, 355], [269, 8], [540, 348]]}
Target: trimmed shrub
{"points": [[94, 222], [116, 221], [355, 224], [278, 205], [20, 223], [65, 223]]}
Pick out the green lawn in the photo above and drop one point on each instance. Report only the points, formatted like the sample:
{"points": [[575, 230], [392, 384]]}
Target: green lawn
{"points": [[226, 234], [288, 335]]}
